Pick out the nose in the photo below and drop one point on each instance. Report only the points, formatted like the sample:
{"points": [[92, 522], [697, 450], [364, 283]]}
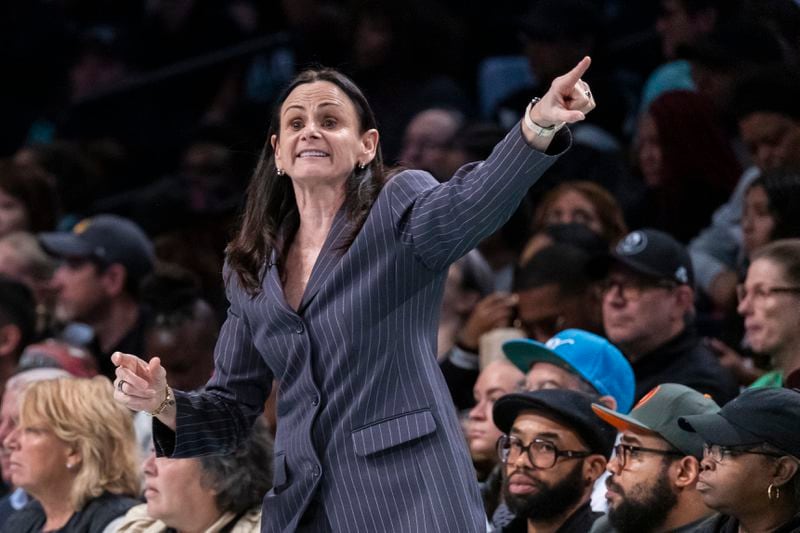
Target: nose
{"points": [[479, 411], [310, 130], [10, 442], [149, 464], [613, 465]]}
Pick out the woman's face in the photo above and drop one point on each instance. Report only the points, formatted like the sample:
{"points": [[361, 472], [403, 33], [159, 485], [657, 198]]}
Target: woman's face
{"points": [[737, 484], [173, 491], [757, 221], [320, 140], [38, 458], [571, 207], [650, 152], [771, 318], [13, 215]]}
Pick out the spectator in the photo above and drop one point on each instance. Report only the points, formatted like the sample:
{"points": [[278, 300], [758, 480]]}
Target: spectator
{"points": [[104, 260], [555, 292], [648, 310], [577, 360], [427, 140], [23, 259], [497, 379], [183, 330], [17, 325], [653, 483], [28, 200], [553, 449], [686, 162], [771, 209], [74, 452], [9, 419], [768, 118], [768, 301], [750, 462], [573, 234], [211, 493], [582, 202]]}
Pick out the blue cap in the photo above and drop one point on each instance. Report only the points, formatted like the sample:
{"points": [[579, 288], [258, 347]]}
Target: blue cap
{"points": [[588, 355]]}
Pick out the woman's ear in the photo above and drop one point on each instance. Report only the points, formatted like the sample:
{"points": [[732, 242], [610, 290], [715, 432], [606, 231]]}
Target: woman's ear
{"points": [[785, 469], [369, 145]]}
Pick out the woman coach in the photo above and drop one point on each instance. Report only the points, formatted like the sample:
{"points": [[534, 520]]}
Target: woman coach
{"points": [[334, 282]]}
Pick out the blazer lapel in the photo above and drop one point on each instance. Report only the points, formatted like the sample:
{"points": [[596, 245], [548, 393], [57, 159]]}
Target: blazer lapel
{"points": [[329, 257]]}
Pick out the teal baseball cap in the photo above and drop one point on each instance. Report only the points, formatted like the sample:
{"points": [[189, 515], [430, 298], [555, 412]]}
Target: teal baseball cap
{"points": [[585, 354]]}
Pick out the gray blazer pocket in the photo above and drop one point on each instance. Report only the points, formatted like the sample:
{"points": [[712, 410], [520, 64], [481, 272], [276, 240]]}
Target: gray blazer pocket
{"points": [[390, 432]]}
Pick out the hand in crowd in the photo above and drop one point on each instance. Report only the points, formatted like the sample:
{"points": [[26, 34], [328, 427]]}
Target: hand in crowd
{"points": [[741, 367], [493, 311], [568, 99], [140, 385]]}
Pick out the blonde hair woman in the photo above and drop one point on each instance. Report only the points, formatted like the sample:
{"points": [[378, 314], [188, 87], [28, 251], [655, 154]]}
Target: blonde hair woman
{"points": [[74, 451]]}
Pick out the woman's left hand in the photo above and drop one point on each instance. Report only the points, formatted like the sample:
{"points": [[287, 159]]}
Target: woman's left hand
{"points": [[568, 100]]}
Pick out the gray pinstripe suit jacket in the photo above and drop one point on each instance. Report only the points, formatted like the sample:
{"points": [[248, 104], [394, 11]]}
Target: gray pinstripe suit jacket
{"points": [[366, 427]]}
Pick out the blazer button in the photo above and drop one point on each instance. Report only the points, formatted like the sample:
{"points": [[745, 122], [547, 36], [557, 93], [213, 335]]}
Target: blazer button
{"points": [[300, 328], [315, 401], [316, 471]]}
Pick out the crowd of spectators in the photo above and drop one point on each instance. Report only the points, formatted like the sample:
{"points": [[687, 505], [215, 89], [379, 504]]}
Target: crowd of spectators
{"points": [[622, 351]]}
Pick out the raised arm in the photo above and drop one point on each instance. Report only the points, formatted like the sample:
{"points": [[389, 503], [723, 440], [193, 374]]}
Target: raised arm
{"points": [[442, 222]]}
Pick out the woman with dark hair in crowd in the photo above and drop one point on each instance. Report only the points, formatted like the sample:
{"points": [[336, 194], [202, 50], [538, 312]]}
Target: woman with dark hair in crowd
{"points": [[28, 200], [750, 472], [582, 202], [771, 209], [687, 164], [335, 282], [74, 452], [212, 494]]}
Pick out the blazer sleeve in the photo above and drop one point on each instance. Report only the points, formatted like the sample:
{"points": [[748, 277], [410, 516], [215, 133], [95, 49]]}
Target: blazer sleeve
{"points": [[217, 419], [444, 221]]}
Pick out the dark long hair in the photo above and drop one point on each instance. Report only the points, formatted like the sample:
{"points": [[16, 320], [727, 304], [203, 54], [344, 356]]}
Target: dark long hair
{"points": [[271, 203]]}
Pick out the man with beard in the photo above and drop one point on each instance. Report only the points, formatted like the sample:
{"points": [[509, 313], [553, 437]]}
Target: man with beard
{"points": [[553, 449], [654, 472]]}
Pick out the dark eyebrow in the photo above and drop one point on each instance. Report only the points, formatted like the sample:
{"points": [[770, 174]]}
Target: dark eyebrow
{"points": [[630, 440], [323, 104]]}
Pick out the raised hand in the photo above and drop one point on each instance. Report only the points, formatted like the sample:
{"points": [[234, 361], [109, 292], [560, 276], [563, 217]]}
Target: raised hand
{"points": [[140, 385], [568, 100]]}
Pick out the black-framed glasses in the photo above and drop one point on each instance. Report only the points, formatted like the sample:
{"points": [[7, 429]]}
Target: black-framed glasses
{"points": [[625, 451], [760, 293], [541, 453], [632, 288], [718, 453]]}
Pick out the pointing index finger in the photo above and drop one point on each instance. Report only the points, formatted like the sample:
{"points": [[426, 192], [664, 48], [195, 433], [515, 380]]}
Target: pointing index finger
{"points": [[572, 77]]}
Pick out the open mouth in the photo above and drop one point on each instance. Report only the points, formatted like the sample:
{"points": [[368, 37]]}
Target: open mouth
{"points": [[312, 153]]}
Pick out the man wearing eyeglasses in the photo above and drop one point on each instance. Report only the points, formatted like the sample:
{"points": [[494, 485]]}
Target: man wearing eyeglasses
{"points": [[553, 448], [648, 309], [655, 467]]}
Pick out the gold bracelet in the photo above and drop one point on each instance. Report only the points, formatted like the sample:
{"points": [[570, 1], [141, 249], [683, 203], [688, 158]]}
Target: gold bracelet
{"points": [[169, 399]]}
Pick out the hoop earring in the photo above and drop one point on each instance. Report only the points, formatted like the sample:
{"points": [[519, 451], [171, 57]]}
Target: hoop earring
{"points": [[773, 493], [281, 172]]}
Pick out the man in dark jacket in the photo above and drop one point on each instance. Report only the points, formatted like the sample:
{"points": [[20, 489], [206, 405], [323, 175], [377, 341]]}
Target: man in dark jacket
{"points": [[648, 306], [553, 449]]}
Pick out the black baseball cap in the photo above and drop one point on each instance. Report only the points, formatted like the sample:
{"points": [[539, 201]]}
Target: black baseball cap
{"points": [[107, 239], [569, 407], [757, 416], [649, 252]]}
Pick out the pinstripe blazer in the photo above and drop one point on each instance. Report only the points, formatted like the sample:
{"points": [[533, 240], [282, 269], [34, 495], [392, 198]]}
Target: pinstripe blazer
{"points": [[367, 433]]}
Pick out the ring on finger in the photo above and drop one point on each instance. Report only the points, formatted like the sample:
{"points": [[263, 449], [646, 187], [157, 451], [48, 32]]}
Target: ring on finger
{"points": [[120, 383]]}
